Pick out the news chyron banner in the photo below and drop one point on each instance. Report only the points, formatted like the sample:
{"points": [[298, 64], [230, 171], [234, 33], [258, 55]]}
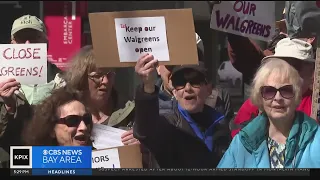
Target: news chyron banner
{"points": [[50, 160]]}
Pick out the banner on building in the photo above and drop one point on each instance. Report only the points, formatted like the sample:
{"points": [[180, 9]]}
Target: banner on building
{"points": [[63, 22], [253, 19]]}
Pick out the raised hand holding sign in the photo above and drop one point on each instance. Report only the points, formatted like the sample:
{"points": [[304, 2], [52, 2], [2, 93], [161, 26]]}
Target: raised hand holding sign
{"points": [[146, 69]]}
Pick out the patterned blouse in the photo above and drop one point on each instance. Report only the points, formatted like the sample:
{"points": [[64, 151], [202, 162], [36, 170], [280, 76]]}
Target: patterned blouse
{"points": [[277, 153]]}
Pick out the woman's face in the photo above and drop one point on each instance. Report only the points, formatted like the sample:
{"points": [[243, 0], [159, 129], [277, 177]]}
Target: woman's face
{"points": [[74, 126], [100, 84], [278, 98]]}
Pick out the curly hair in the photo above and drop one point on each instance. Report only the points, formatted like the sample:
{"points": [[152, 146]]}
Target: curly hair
{"points": [[38, 131]]}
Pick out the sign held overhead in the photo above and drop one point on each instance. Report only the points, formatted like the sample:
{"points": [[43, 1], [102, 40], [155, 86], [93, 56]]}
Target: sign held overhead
{"points": [[253, 19], [120, 38]]}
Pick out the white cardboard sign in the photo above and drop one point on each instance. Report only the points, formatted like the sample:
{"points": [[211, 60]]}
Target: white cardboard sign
{"points": [[141, 35], [27, 63], [108, 158], [253, 19]]}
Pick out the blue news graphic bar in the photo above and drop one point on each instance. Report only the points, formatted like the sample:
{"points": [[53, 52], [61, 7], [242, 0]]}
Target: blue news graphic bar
{"points": [[61, 172], [61, 157]]}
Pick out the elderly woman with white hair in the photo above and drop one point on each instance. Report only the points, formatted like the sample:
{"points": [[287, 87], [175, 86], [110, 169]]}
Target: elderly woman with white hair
{"points": [[281, 136]]}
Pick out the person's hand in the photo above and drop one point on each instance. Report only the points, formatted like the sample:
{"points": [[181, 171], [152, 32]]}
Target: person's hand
{"points": [[7, 89], [128, 139], [146, 69]]}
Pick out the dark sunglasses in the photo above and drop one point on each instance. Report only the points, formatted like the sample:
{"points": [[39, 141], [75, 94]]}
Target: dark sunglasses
{"points": [[180, 82], [75, 120], [269, 92]]}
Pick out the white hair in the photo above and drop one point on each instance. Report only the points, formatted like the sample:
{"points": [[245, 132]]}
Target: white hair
{"points": [[282, 71]]}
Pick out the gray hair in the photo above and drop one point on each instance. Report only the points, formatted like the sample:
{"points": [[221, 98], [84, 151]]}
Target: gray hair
{"points": [[283, 71]]}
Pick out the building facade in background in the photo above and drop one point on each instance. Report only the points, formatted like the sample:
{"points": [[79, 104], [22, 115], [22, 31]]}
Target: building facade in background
{"points": [[68, 30]]}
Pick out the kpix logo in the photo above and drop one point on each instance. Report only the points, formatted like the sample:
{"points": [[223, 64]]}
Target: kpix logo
{"points": [[20, 157]]}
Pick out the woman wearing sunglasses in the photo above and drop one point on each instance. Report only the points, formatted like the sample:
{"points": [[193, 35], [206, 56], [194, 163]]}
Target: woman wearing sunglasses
{"points": [[281, 137], [60, 120], [106, 105]]}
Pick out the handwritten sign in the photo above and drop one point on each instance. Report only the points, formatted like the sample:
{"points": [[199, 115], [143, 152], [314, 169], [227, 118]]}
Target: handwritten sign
{"points": [[137, 36], [177, 30], [108, 158], [253, 19], [27, 63]]}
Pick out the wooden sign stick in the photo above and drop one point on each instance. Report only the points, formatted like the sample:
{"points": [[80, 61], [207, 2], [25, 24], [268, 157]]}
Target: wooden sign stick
{"points": [[315, 111]]}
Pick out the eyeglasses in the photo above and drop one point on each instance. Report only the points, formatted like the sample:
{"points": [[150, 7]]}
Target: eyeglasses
{"points": [[269, 92], [75, 120], [98, 77]]}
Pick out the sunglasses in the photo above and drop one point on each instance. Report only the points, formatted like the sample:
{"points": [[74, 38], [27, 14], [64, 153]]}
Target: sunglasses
{"points": [[180, 82], [75, 120], [269, 92]]}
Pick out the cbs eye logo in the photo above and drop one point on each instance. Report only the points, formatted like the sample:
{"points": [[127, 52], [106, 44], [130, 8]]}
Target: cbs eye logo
{"points": [[20, 157]]}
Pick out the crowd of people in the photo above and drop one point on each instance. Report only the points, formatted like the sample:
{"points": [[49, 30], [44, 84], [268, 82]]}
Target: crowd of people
{"points": [[180, 118]]}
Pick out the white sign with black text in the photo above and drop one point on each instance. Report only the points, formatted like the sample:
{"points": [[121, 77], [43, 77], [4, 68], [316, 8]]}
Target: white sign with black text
{"points": [[141, 35], [108, 158]]}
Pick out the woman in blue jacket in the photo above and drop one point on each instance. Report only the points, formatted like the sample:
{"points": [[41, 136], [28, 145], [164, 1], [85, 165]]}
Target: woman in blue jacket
{"points": [[280, 137]]}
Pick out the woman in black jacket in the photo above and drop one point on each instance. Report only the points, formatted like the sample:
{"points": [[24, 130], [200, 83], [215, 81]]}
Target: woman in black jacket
{"points": [[191, 135]]}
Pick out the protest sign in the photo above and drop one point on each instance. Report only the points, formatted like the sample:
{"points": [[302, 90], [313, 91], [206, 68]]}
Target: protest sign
{"points": [[118, 157], [167, 34], [134, 38], [27, 63], [104, 136], [108, 158], [253, 19]]}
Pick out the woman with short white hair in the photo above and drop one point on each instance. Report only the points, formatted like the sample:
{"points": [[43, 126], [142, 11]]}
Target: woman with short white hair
{"points": [[280, 137]]}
